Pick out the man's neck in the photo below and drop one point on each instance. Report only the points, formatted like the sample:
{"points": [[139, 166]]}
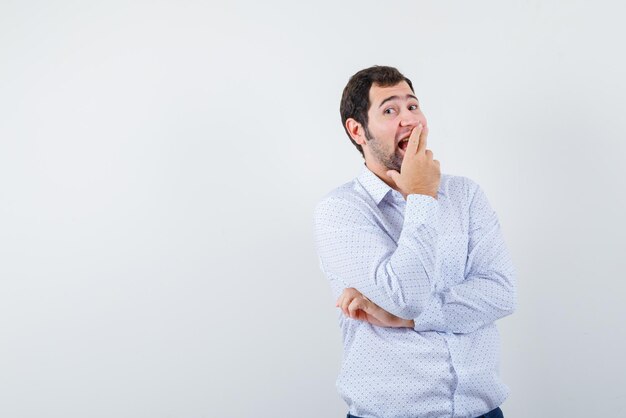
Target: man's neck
{"points": [[381, 173]]}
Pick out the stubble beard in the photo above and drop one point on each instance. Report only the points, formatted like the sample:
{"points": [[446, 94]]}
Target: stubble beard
{"points": [[392, 161]]}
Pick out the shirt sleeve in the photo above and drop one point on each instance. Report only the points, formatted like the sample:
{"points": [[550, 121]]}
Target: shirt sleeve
{"points": [[356, 251], [488, 291]]}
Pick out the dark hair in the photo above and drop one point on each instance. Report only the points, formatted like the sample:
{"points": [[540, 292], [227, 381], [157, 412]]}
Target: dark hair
{"points": [[355, 100]]}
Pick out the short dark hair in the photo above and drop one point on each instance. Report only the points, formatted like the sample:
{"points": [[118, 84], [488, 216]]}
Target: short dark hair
{"points": [[355, 100]]}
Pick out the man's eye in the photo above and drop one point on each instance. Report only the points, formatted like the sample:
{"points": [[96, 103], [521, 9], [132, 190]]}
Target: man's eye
{"points": [[413, 107], [389, 111]]}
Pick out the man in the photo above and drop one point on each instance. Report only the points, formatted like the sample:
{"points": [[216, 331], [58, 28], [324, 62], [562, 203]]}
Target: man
{"points": [[418, 265]]}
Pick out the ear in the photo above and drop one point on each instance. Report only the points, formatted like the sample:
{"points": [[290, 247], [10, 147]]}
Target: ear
{"points": [[356, 131]]}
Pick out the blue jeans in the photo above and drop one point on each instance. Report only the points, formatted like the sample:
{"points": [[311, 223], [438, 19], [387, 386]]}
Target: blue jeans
{"points": [[496, 413]]}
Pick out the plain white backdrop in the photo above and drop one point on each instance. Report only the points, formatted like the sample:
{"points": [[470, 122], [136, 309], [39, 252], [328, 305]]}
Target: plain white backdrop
{"points": [[160, 161]]}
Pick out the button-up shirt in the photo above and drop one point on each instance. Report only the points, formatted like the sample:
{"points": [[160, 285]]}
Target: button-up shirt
{"points": [[441, 262]]}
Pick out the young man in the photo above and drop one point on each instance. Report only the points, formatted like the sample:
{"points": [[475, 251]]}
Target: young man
{"points": [[418, 265]]}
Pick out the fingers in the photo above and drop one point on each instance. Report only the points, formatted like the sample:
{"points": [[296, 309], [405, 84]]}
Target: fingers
{"points": [[343, 303], [361, 308], [394, 175], [345, 299], [339, 301], [357, 306], [414, 139], [422, 139], [351, 302], [354, 306]]}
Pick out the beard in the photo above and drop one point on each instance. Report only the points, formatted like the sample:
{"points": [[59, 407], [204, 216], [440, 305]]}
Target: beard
{"points": [[391, 160]]}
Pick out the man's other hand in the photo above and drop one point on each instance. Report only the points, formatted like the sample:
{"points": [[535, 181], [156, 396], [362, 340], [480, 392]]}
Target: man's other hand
{"points": [[420, 173], [355, 305]]}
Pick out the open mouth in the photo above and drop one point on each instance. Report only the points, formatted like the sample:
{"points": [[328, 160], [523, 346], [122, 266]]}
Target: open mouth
{"points": [[403, 144]]}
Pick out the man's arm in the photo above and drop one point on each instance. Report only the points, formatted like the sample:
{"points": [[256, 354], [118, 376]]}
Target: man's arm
{"points": [[355, 305], [488, 291], [355, 251], [486, 294]]}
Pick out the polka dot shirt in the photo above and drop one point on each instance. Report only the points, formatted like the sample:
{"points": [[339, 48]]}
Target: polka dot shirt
{"points": [[441, 262]]}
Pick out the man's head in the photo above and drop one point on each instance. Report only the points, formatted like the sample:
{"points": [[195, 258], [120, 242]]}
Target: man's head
{"points": [[378, 111]]}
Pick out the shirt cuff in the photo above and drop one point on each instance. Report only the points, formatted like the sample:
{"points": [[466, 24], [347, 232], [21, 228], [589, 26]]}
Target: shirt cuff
{"points": [[421, 209]]}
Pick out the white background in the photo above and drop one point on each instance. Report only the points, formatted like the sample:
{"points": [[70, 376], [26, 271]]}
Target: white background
{"points": [[160, 161]]}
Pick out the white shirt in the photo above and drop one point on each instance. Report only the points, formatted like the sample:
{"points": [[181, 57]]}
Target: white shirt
{"points": [[441, 262]]}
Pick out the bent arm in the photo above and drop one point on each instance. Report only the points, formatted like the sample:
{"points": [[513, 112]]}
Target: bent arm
{"points": [[488, 291], [356, 251]]}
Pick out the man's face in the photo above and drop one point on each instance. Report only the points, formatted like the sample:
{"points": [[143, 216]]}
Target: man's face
{"points": [[394, 112]]}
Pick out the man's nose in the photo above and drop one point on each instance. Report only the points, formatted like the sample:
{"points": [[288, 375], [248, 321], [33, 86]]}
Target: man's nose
{"points": [[407, 118]]}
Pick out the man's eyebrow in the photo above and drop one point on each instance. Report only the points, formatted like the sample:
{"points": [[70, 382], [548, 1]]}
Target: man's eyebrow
{"points": [[408, 96]]}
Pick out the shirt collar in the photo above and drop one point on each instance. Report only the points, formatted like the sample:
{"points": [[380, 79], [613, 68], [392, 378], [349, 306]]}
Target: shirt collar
{"points": [[373, 185], [378, 189]]}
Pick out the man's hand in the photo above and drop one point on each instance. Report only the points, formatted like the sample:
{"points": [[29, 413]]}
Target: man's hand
{"points": [[356, 306], [420, 174]]}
